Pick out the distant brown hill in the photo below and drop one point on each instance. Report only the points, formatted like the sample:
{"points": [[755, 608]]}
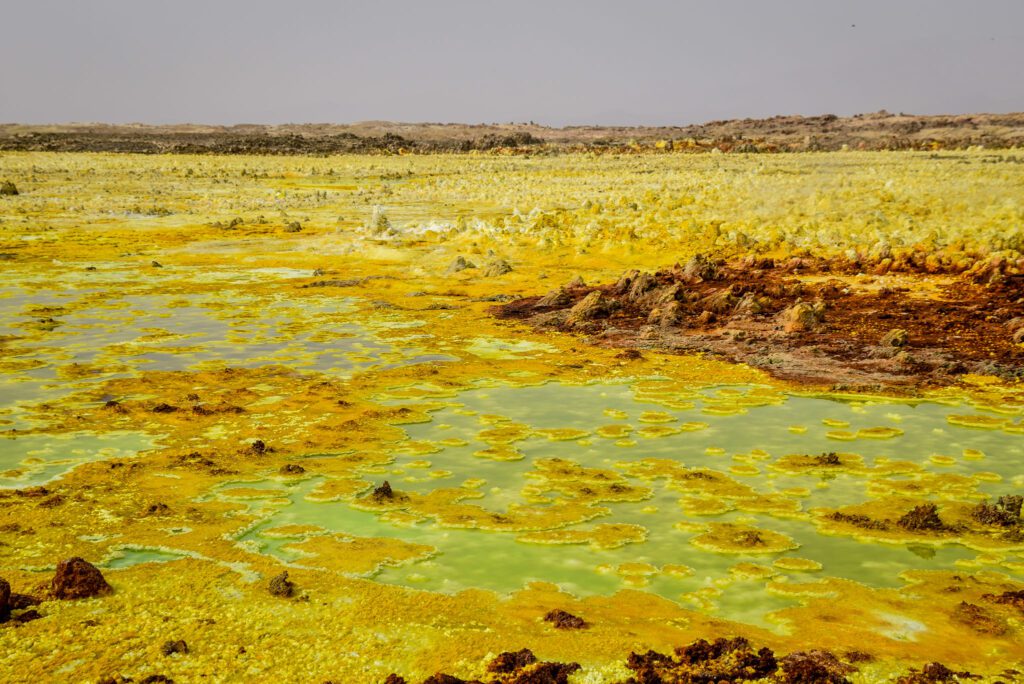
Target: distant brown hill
{"points": [[877, 131]]}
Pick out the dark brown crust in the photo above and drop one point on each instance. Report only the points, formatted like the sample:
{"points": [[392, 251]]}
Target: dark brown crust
{"points": [[953, 323]]}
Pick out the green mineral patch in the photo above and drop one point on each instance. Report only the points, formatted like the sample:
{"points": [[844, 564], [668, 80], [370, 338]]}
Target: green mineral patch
{"points": [[879, 433], [617, 431], [655, 431], [980, 422], [797, 564], [126, 557], [355, 556], [742, 539], [604, 536], [656, 417], [561, 434]]}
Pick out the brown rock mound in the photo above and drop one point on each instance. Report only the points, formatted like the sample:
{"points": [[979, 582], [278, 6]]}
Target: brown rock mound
{"points": [[564, 620], [922, 518], [78, 578], [281, 586]]}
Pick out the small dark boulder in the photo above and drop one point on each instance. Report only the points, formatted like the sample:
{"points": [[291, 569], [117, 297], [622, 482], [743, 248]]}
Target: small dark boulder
{"points": [[5, 599], [27, 616], [546, 673], [564, 620], [935, 673], [291, 469], [441, 678], [814, 667], [385, 495], [281, 586], [829, 459], [8, 188], [510, 661], [258, 448], [174, 646], [77, 578]]}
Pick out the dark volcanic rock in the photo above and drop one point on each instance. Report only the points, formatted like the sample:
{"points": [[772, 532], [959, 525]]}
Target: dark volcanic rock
{"points": [[814, 667], [8, 188], [546, 673], [27, 616], [978, 619], [1007, 598], [935, 673], [258, 448], [1004, 513], [77, 578], [174, 646], [510, 661], [922, 518], [441, 678], [384, 494], [703, 662], [281, 586], [5, 599], [563, 620]]}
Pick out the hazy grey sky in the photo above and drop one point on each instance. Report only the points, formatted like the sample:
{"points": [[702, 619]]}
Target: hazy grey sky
{"points": [[630, 62]]}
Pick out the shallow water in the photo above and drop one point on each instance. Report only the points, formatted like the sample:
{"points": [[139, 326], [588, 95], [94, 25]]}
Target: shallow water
{"points": [[64, 340], [35, 459], [756, 429]]}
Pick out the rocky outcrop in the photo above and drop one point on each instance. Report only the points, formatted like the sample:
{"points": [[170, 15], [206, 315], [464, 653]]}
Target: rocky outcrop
{"points": [[594, 305], [565, 620], [77, 578], [281, 586], [802, 317]]}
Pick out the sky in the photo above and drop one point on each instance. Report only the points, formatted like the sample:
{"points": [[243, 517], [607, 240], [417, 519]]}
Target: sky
{"points": [[556, 62]]}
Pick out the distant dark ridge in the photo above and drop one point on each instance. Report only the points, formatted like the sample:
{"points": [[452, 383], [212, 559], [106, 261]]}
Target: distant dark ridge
{"points": [[878, 131]]}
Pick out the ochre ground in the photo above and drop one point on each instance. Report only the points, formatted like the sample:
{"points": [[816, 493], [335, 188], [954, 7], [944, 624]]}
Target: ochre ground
{"points": [[551, 219]]}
